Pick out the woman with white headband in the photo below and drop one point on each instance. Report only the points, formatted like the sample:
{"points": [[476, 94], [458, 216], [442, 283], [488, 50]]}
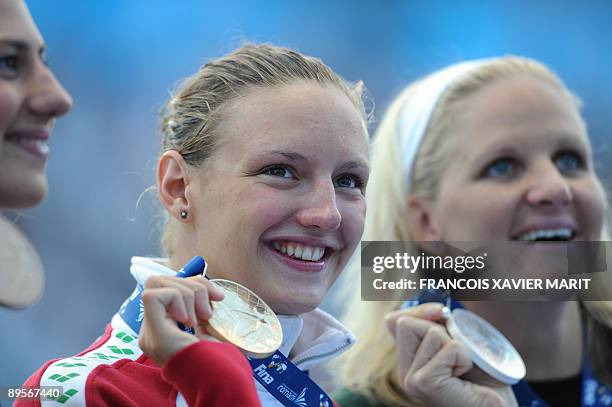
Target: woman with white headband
{"points": [[487, 150]]}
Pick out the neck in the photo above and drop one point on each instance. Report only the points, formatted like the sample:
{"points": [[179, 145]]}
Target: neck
{"points": [[548, 335]]}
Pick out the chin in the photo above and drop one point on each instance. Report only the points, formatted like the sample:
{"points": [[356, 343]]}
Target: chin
{"points": [[294, 306], [24, 197]]}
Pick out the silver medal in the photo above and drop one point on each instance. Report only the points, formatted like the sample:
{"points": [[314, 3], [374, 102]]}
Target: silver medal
{"points": [[488, 348]]}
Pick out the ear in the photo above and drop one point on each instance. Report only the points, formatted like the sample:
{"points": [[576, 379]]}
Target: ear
{"points": [[422, 220], [172, 182]]}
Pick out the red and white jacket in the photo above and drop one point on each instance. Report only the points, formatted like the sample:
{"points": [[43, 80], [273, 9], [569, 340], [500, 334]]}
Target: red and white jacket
{"points": [[113, 371]]}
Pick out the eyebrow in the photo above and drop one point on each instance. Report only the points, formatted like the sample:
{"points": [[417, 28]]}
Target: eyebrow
{"points": [[289, 155], [569, 140], [21, 45], [349, 165], [566, 141]]}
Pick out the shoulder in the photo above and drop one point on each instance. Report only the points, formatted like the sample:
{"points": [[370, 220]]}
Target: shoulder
{"points": [[106, 367]]}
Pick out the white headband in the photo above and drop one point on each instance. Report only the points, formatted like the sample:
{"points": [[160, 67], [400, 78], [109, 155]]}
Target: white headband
{"points": [[417, 111]]}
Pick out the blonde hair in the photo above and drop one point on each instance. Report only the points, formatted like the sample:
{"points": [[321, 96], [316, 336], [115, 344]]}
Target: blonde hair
{"points": [[190, 119], [387, 216]]}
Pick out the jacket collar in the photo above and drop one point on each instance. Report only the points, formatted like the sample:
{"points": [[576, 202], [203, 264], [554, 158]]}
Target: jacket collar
{"points": [[308, 339]]}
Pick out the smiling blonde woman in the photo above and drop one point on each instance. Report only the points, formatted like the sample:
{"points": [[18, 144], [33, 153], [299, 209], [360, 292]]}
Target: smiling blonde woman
{"points": [[263, 172], [488, 150]]}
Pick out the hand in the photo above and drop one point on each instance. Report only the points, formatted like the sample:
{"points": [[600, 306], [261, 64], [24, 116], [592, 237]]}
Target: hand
{"points": [[436, 369], [168, 301]]}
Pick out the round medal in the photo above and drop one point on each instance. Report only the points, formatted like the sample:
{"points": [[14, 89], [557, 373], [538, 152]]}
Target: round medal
{"points": [[22, 276], [488, 348], [242, 318]]}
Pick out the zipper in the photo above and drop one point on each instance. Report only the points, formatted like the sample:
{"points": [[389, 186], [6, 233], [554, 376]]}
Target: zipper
{"points": [[347, 343]]}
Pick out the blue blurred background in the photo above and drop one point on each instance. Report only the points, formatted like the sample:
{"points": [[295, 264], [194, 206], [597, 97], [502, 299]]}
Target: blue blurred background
{"points": [[119, 59]]}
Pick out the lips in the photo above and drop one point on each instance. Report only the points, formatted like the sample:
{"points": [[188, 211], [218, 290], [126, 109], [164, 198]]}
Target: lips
{"points": [[34, 141]]}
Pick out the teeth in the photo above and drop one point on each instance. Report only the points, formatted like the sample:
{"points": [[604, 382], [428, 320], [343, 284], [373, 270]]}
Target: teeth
{"points": [[318, 253], [39, 144], [561, 233], [307, 253], [299, 251]]}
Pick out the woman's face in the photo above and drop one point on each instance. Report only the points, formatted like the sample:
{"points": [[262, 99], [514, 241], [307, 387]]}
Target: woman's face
{"points": [[520, 168], [30, 98], [279, 207]]}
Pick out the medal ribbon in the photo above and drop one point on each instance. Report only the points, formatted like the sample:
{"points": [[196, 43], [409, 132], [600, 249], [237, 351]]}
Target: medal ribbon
{"points": [[132, 309], [287, 383]]}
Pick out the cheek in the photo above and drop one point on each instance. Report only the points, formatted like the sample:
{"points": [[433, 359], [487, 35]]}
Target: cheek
{"points": [[353, 218], [262, 208], [591, 203], [475, 214], [9, 106]]}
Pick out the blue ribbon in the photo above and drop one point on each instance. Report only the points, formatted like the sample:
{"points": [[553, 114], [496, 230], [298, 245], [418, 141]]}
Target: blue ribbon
{"points": [[287, 383], [132, 310]]}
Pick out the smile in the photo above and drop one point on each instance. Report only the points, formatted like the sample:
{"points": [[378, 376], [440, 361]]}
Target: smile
{"points": [[34, 142], [547, 235], [299, 251]]}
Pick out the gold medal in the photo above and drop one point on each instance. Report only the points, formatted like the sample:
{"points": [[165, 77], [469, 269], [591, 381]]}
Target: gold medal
{"points": [[243, 319], [22, 276]]}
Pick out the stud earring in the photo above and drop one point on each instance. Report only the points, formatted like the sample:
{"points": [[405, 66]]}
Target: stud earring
{"points": [[184, 214]]}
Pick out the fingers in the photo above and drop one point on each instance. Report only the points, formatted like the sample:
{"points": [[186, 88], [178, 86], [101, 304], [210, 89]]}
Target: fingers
{"points": [[432, 342], [190, 303], [162, 301], [431, 311], [427, 354], [438, 378], [453, 359], [417, 341], [432, 366], [214, 292], [167, 301], [409, 327], [434, 386]]}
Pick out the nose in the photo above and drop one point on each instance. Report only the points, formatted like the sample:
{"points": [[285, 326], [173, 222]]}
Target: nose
{"points": [[319, 209], [549, 187], [47, 97]]}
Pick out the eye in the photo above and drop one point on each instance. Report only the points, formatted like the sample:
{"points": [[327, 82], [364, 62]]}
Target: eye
{"points": [[8, 64], [349, 181], [44, 58], [500, 168], [568, 162], [281, 171]]}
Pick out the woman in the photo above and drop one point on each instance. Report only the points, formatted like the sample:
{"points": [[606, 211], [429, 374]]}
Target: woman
{"points": [[263, 173], [30, 101], [489, 150]]}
